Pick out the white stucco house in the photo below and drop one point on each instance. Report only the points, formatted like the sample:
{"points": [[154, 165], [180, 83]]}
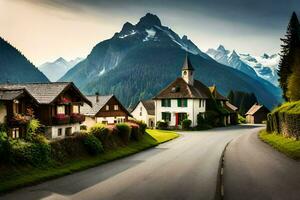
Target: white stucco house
{"points": [[183, 98], [145, 111]]}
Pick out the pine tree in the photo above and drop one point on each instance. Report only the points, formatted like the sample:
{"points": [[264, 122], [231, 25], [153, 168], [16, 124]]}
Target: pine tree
{"points": [[231, 97], [290, 42], [293, 92]]}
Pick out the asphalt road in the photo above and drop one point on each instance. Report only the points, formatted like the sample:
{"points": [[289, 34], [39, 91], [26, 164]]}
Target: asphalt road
{"points": [[185, 168], [253, 170]]}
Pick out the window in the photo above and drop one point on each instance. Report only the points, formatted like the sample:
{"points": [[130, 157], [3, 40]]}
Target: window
{"points": [[59, 132], [141, 113], [166, 116], [15, 133], [166, 103], [141, 108], [76, 109], [201, 102], [182, 102], [16, 106], [116, 107], [61, 109], [107, 107]]}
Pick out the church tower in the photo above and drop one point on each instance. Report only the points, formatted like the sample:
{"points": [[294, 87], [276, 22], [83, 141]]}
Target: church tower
{"points": [[188, 71]]}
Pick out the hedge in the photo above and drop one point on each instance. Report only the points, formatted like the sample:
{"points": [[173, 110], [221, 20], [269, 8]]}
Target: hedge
{"points": [[285, 120]]}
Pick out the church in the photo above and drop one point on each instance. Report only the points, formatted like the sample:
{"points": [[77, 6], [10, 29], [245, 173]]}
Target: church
{"points": [[187, 97]]}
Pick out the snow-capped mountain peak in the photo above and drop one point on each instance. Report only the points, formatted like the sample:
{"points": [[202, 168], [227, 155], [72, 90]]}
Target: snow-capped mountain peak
{"points": [[265, 66]]}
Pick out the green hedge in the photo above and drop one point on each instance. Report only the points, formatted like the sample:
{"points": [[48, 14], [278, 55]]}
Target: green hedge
{"points": [[162, 125], [186, 124], [124, 131], [285, 120], [92, 144]]}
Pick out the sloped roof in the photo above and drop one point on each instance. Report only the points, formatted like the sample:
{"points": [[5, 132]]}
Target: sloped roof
{"points": [[10, 94], [187, 65], [44, 93], [96, 105], [254, 109], [149, 106], [216, 94], [180, 89], [231, 108]]}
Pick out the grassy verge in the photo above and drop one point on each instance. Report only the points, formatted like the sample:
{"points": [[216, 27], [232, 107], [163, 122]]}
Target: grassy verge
{"points": [[13, 177], [288, 146], [162, 135]]}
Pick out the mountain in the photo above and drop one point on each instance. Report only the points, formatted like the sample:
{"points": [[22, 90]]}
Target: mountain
{"points": [[264, 66], [141, 59], [15, 67], [56, 69]]}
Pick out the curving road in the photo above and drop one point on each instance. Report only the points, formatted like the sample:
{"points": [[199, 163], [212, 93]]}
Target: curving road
{"points": [[185, 168], [253, 170]]}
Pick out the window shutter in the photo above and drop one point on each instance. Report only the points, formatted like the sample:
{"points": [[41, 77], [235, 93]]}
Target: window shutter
{"points": [[179, 102], [185, 102], [169, 102], [162, 103]]}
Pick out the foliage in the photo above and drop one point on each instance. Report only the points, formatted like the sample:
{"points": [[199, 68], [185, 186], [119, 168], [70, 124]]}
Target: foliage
{"points": [[291, 42], [3, 127], [29, 153], [4, 147], [186, 124], [142, 126], [293, 91], [32, 128], [243, 100], [83, 127], [241, 119], [136, 133], [288, 146], [162, 125], [92, 144], [124, 131]]}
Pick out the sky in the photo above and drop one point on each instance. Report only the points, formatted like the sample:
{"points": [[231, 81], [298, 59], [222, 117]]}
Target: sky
{"points": [[44, 30]]}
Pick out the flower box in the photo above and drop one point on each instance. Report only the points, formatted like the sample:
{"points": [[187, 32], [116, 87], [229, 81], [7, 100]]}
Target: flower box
{"points": [[77, 118], [61, 119]]}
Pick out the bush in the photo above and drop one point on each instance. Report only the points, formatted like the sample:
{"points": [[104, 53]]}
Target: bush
{"points": [[162, 125], [142, 126], [124, 131], [241, 119], [4, 147], [92, 144], [29, 153], [83, 127], [32, 128], [186, 124], [212, 118], [100, 131], [136, 132]]}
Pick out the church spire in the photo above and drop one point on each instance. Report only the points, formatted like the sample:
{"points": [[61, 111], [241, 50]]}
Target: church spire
{"points": [[188, 71]]}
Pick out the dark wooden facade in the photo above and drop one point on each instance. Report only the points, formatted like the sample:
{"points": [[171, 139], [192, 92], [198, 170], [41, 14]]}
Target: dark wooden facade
{"points": [[111, 112]]}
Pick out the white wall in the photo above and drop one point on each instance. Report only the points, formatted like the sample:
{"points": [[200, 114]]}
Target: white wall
{"points": [[140, 113], [109, 120], [89, 121], [193, 109], [52, 131], [3, 112]]}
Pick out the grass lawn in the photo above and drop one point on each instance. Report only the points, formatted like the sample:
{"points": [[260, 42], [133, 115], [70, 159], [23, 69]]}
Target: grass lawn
{"points": [[14, 177], [288, 146], [162, 135]]}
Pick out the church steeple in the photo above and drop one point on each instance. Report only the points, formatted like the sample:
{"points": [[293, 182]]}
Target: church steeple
{"points": [[188, 71]]}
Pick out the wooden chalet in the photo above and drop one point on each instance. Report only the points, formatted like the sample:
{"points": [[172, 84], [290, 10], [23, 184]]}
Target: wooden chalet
{"points": [[55, 105], [105, 110]]}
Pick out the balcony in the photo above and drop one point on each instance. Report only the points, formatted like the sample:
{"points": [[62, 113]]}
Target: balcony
{"points": [[19, 119], [77, 118], [61, 119]]}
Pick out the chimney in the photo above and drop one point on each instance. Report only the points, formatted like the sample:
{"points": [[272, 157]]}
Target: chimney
{"points": [[97, 96]]}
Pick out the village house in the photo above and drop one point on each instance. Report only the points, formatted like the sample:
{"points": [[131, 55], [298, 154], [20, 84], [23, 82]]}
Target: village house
{"points": [[145, 111], [55, 105], [186, 97], [105, 110], [257, 114]]}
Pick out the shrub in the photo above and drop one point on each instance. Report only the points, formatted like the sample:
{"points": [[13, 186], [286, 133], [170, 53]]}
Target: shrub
{"points": [[32, 128], [162, 125], [29, 153], [83, 127], [142, 126], [100, 131], [136, 132], [212, 118], [124, 131], [186, 124], [92, 144], [4, 147], [241, 119]]}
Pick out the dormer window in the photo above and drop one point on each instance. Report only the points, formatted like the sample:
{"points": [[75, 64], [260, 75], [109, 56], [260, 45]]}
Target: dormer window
{"points": [[16, 106]]}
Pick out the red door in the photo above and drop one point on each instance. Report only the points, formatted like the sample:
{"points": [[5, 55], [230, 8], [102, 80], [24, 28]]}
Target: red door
{"points": [[177, 119]]}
